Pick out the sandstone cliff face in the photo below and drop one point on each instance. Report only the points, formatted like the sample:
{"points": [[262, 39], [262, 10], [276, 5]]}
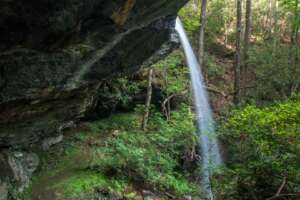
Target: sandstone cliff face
{"points": [[54, 55]]}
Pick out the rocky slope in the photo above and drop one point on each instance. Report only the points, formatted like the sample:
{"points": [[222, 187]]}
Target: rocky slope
{"points": [[54, 55]]}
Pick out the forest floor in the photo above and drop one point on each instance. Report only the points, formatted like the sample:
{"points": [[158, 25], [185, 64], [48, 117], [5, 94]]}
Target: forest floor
{"points": [[63, 174], [68, 172]]}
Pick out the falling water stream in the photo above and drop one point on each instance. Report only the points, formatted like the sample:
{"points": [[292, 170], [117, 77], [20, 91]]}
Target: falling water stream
{"points": [[210, 152]]}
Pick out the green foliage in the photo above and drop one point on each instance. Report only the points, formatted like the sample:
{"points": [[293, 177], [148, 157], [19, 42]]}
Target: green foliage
{"points": [[190, 16], [293, 6], [127, 89], [265, 151], [118, 92], [152, 158], [65, 167], [214, 69], [172, 71], [84, 183], [275, 75], [127, 122], [220, 14]]}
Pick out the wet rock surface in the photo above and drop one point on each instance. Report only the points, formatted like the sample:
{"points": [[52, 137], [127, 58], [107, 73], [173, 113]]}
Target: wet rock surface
{"points": [[54, 55], [16, 170], [3, 191], [22, 165]]}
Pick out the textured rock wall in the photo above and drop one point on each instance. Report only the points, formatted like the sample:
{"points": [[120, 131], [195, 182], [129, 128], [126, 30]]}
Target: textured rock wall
{"points": [[54, 54]]}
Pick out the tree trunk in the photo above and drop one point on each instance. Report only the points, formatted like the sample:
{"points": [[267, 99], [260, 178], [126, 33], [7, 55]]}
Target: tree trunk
{"points": [[269, 18], [202, 35], [246, 43], [294, 48], [167, 108], [276, 34], [148, 100], [237, 67]]}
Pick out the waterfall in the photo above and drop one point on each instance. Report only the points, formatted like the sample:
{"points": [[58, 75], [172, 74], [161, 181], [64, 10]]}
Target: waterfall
{"points": [[209, 148]]}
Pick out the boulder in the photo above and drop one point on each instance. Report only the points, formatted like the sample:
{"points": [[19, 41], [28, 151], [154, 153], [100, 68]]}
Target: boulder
{"points": [[17, 167]]}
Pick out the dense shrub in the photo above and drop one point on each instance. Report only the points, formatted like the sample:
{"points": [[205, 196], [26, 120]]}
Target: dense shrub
{"points": [[263, 150], [152, 158]]}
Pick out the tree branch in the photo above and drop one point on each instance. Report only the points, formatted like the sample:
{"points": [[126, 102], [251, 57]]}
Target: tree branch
{"points": [[281, 187], [214, 90], [284, 195], [278, 193], [164, 107]]}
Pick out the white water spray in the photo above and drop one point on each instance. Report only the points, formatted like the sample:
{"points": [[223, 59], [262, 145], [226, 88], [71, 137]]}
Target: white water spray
{"points": [[210, 152]]}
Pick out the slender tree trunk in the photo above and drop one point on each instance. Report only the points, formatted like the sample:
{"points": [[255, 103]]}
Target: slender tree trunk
{"points": [[246, 42], [296, 85], [237, 67], [296, 32], [168, 106], [148, 100], [247, 32], [294, 47], [226, 32], [276, 34], [269, 19], [202, 34]]}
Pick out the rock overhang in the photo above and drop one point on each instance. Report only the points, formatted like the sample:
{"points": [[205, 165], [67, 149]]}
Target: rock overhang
{"points": [[54, 54]]}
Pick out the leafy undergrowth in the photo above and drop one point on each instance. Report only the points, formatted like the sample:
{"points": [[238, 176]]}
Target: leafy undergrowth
{"points": [[265, 154], [113, 158], [152, 158]]}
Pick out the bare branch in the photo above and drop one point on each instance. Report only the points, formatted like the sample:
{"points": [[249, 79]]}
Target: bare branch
{"points": [[281, 187], [284, 195], [215, 90]]}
